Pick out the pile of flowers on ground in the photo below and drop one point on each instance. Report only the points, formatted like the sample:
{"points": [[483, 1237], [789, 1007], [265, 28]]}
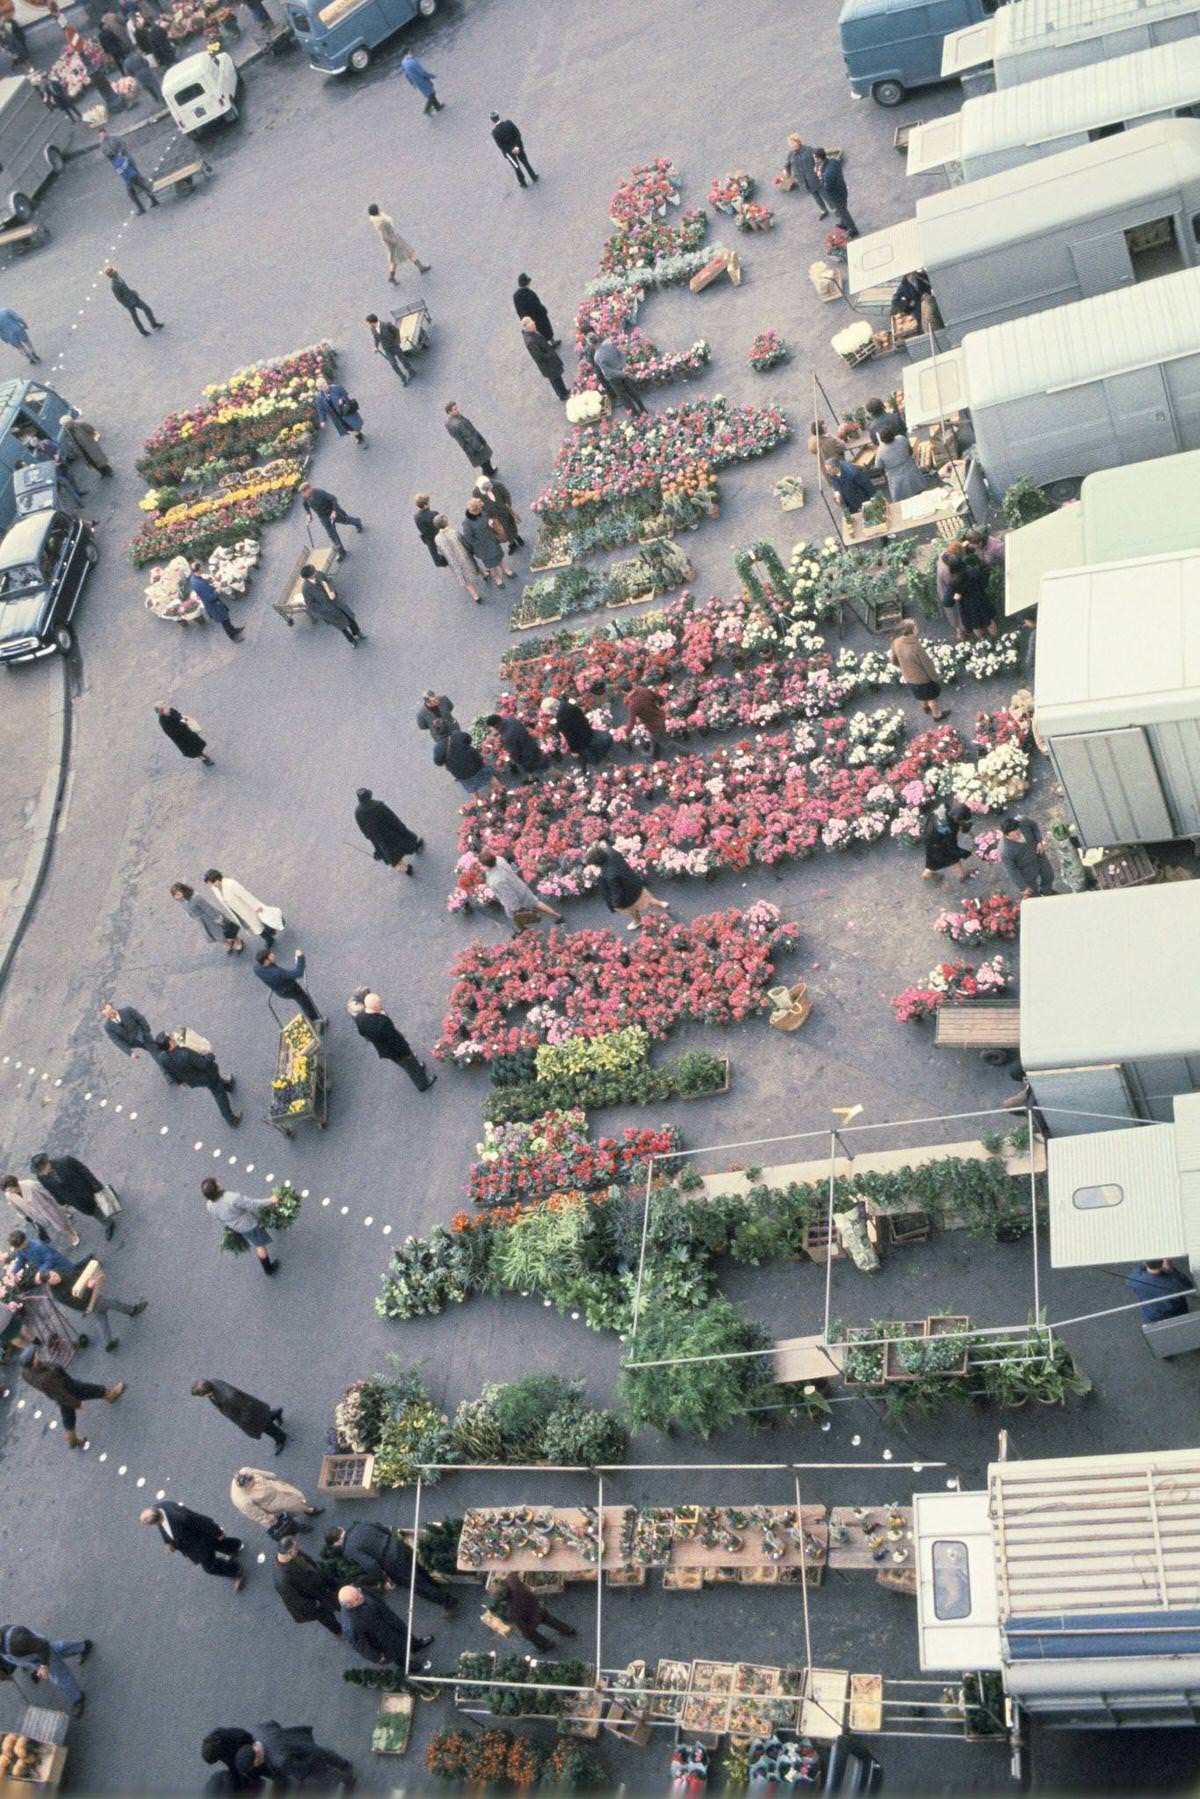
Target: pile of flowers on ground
{"points": [[978, 918], [223, 517], [248, 410], [767, 350], [613, 316], [522, 1162], [228, 568], [951, 983], [715, 969]]}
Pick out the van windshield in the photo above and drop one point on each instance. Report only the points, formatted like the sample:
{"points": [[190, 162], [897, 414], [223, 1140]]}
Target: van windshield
{"points": [[299, 21]]}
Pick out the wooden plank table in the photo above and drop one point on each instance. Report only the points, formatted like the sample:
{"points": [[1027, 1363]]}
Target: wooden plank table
{"points": [[978, 1025], [856, 1552]]}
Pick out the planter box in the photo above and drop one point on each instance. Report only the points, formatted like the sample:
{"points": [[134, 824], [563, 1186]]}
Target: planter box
{"points": [[912, 1329], [682, 1580], [866, 1702], [391, 1733], [711, 1092], [818, 1245], [348, 1477]]}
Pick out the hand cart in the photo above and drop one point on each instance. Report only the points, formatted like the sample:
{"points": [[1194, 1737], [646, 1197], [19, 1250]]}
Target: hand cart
{"points": [[414, 325], [290, 604], [300, 1089], [20, 238], [181, 180]]}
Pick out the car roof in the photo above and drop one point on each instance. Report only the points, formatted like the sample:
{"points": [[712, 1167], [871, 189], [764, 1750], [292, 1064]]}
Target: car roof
{"points": [[201, 67], [23, 541]]}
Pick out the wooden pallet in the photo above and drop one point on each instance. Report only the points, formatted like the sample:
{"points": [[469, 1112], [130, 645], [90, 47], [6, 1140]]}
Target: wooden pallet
{"points": [[978, 1027]]}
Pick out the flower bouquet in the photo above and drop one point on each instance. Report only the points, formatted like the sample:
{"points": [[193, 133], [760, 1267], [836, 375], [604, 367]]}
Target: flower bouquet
{"points": [[988, 915], [751, 216], [280, 1217], [727, 192], [767, 350], [952, 983]]}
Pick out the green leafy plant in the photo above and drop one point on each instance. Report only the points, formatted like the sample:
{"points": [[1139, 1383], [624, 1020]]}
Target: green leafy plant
{"points": [[1024, 502], [281, 1217], [697, 1396]]}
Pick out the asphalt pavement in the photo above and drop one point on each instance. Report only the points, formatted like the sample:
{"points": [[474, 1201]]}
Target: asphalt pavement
{"points": [[275, 252]]}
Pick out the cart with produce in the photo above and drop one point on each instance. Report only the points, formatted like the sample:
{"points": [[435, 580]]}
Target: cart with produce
{"points": [[300, 1089], [415, 326]]}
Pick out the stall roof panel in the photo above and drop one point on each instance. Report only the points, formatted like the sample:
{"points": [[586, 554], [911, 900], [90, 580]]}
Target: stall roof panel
{"points": [[1031, 22], [934, 388], [933, 145], [968, 48], [882, 257], [1037, 549], [1068, 346], [1114, 1197], [1110, 977], [1119, 644], [956, 1582]]}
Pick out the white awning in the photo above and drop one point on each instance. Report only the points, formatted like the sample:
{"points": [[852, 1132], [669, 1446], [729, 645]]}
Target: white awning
{"points": [[882, 257], [934, 388], [1114, 1197], [1037, 549], [933, 145], [968, 48], [957, 1609]]}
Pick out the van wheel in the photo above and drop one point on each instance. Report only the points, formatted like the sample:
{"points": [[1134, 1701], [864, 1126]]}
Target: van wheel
{"points": [[21, 207], [55, 158], [888, 93], [359, 59], [64, 638]]}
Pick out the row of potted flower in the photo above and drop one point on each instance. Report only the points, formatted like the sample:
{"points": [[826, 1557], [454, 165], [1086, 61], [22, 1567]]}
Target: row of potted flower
{"points": [[979, 917], [657, 568], [194, 527], [520, 1162], [951, 983], [244, 413]]}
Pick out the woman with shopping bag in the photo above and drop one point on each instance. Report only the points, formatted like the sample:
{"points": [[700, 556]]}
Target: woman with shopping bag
{"points": [[239, 905]]}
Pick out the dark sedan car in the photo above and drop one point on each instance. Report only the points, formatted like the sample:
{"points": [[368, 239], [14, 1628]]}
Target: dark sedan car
{"points": [[45, 558]]}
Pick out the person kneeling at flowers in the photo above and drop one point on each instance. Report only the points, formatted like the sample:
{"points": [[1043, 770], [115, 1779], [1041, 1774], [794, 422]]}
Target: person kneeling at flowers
{"points": [[940, 836], [516, 896], [623, 888]]}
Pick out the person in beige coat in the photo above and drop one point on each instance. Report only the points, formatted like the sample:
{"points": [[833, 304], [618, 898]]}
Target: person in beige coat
{"points": [[276, 1504], [39, 1207], [449, 545], [398, 248], [916, 667], [240, 906]]}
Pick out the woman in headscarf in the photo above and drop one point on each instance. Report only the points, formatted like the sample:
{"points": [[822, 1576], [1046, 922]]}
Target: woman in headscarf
{"points": [[940, 837], [184, 734], [894, 456], [336, 408], [388, 836]]}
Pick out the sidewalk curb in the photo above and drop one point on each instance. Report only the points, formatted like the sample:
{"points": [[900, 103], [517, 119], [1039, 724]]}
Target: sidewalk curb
{"points": [[42, 824]]}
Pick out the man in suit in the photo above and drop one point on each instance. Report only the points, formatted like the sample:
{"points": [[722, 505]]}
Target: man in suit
{"points": [[385, 1560], [530, 306], [469, 438], [425, 519], [286, 1754], [390, 1045], [129, 1029], [374, 1632], [72, 1184], [508, 140], [286, 982], [252, 1416], [187, 1068], [386, 338], [198, 1539], [309, 1594], [833, 188], [546, 358]]}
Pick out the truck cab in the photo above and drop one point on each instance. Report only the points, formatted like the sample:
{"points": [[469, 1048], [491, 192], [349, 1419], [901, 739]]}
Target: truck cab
{"points": [[892, 46], [337, 35]]}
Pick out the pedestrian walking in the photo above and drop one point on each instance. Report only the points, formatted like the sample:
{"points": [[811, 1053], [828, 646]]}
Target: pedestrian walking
{"points": [[383, 1559], [546, 358], [38, 1207], [398, 248], [309, 1593], [508, 140], [288, 983], [152, 40], [130, 1030], [644, 708], [240, 906], [322, 603], [456, 556], [186, 1067], [56, 95], [894, 456], [799, 170], [623, 888], [335, 407], [389, 837], [138, 69], [134, 181], [522, 748], [852, 488], [184, 734], [45, 1659], [484, 542], [67, 1393], [426, 521], [832, 181], [73, 1185], [389, 1044], [243, 1216], [454, 751], [84, 440], [576, 729], [529, 305], [917, 669], [276, 1504], [373, 1631], [434, 706], [291, 1755], [386, 337], [327, 509], [198, 1539], [212, 602], [418, 76], [524, 1609], [1023, 854], [970, 583], [520, 903], [14, 331], [473, 444], [220, 1747], [216, 927], [82, 1289], [498, 505], [939, 835], [608, 359], [253, 1417]]}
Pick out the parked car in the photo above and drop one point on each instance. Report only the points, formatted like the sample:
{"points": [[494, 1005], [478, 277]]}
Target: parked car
{"points": [[336, 35], [201, 89], [892, 46], [45, 558]]}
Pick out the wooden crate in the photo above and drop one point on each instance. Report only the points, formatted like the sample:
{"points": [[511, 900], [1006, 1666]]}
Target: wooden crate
{"points": [[898, 1580], [866, 1702], [348, 1477], [625, 1577], [394, 1706], [682, 1580], [817, 1243], [628, 1723], [765, 1576]]}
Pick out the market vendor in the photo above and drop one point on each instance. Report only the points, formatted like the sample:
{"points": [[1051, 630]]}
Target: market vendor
{"points": [[1161, 1289], [913, 299], [850, 485]]}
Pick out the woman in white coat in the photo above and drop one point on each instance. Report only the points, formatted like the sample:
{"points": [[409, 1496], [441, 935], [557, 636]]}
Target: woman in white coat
{"points": [[240, 906]]}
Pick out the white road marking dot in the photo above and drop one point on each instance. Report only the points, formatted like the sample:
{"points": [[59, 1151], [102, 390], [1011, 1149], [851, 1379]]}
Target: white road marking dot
{"points": [[54, 1424], [161, 1494], [249, 1167], [261, 1558], [887, 1455], [122, 1468], [304, 1192], [270, 1177], [8, 1059], [132, 1116], [38, 1413], [345, 1209], [32, 1069], [16, 1064], [545, 1302], [118, 1108], [856, 1441], [216, 1155], [233, 1161], [103, 1456], [86, 1095], [45, 1074], [368, 1221], [198, 1145], [20, 1405], [5, 1393], [825, 1426], [325, 1201], [163, 1129], [103, 1102], [141, 1480], [58, 1082], [387, 1230]]}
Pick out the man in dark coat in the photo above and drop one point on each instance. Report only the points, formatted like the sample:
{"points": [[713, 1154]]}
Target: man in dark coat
{"points": [[291, 1754], [197, 1539], [435, 705], [473, 444], [852, 485], [321, 602], [800, 165], [530, 306], [1161, 1289], [187, 1068], [220, 1746], [309, 1594], [214, 606], [329, 512], [130, 299], [385, 1560], [523, 749], [425, 519], [454, 751], [252, 1416], [288, 983], [386, 337], [129, 1029], [580, 735], [72, 1184], [527, 1612], [833, 188], [507, 138], [1022, 853], [388, 836], [390, 1045], [545, 357], [374, 1632], [183, 733], [67, 1393]]}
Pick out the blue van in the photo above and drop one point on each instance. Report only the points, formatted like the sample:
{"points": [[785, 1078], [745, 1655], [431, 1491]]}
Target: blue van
{"points": [[890, 46], [28, 410], [337, 35]]}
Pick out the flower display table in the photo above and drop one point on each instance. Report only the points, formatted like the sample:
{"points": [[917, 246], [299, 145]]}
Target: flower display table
{"points": [[718, 1540], [871, 1537]]}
